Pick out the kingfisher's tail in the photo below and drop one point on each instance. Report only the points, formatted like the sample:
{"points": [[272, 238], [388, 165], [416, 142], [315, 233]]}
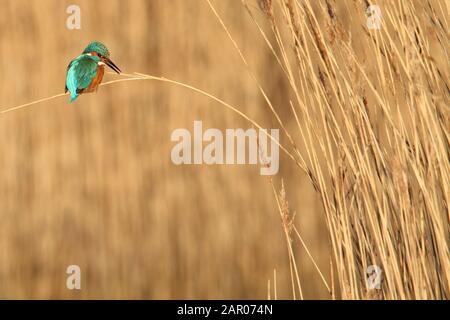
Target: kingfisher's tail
{"points": [[73, 97]]}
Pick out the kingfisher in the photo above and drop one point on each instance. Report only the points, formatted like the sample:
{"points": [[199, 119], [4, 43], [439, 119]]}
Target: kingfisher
{"points": [[85, 73]]}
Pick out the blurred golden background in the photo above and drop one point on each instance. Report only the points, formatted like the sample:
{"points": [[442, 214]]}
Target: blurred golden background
{"points": [[92, 183]]}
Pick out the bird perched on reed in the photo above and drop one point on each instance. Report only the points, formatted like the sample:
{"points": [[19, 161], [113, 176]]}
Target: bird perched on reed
{"points": [[85, 73]]}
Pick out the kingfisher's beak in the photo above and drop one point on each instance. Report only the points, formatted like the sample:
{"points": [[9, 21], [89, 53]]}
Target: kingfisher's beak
{"points": [[111, 64]]}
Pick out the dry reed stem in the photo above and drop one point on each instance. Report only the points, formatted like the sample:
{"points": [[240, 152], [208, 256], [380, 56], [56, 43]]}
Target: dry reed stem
{"points": [[139, 77]]}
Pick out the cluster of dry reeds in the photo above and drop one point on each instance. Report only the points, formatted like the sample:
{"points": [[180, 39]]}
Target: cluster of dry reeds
{"points": [[371, 134]]}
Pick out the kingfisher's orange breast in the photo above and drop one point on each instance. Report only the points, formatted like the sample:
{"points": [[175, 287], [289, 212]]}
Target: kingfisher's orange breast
{"points": [[97, 79]]}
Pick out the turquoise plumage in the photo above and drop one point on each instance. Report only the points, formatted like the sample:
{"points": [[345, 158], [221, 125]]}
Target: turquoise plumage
{"points": [[98, 47], [80, 74], [85, 73]]}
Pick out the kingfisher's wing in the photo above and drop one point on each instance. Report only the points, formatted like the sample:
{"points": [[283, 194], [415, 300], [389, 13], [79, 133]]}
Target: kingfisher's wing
{"points": [[80, 73], [68, 67]]}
